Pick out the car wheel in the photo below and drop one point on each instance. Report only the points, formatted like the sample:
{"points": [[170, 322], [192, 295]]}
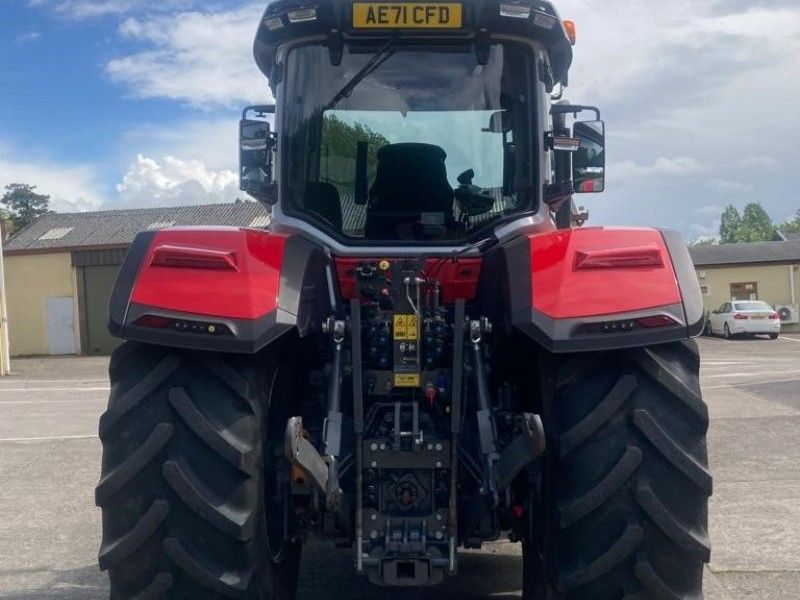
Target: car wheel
{"points": [[773, 336], [726, 332]]}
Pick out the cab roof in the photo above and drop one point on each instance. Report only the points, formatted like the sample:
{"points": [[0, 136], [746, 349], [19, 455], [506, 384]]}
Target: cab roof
{"points": [[285, 20]]}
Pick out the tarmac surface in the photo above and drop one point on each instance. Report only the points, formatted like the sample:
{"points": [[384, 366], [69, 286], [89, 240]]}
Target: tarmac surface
{"points": [[50, 455]]}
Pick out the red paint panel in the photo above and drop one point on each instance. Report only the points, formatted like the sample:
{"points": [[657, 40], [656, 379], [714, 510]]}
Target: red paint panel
{"points": [[563, 290], [457, 279], [249, 291]]}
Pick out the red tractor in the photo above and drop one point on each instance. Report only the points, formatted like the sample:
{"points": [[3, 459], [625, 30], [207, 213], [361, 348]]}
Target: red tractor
{"points": [[420, 353]]}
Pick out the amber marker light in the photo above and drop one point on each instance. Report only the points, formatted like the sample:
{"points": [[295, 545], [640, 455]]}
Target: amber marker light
{"points": [[572, 32]]}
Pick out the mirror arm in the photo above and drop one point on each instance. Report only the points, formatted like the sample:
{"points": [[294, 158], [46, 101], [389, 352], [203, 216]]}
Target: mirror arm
{"points": [[573, 109], [260, 110], [555, 193]]}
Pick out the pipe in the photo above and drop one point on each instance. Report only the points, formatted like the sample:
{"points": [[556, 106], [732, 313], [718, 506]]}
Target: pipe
{"points": [[5, 347], [792, 290]]}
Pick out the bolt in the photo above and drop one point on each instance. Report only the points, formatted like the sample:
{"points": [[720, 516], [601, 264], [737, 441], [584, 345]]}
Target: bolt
{"points": [[439, 447], [374, 535], [430, 446], [373, 517], [383, 446], [438, 517], [373, 446], [439, 535], [438, 464], [374, 464]]}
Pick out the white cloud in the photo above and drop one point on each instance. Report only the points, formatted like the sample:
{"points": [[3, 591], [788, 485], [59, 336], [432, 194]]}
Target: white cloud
{"points": [[213, 141], [765, 163], [27, 38], [71, 188], [664, 167], [201, 58], [88, 9], [171, 182], [728, 186]]}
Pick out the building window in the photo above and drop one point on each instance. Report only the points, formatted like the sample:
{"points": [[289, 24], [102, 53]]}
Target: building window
{"points": [[705, 290], [744, 291]]}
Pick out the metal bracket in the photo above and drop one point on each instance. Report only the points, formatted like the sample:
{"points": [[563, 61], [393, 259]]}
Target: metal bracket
{"points": [[303, 454], [528, 445]]}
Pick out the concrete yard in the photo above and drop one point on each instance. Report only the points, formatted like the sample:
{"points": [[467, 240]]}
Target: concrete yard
{"points": [[49, 465]]}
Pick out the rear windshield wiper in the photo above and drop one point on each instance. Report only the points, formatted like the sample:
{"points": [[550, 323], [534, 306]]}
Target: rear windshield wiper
{"points": [[380, 57]]}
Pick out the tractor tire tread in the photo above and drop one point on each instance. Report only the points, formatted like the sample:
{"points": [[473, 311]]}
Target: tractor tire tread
{"points": [[239, 453], [116, 479], [190, 489], [121, 548], [231, 584]]}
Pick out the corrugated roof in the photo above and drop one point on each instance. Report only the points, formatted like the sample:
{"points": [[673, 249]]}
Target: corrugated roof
{"points": [[738, 254], [119, 227]]}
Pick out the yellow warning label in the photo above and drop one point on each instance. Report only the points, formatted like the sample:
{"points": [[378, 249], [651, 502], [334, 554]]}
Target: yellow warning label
{"points": [[405, 327], [406, 380]]}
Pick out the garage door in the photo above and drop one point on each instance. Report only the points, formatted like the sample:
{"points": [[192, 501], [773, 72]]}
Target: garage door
{"points": [[97, 285]]}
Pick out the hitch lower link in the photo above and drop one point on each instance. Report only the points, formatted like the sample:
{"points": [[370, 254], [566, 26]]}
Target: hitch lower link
{"points": [[528, 443], [323, 469]]}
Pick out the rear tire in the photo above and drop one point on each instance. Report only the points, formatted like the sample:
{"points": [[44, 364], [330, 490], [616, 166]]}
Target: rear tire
{"points": [[186, 476], [774, 336], [626, 481], [726, 332]]}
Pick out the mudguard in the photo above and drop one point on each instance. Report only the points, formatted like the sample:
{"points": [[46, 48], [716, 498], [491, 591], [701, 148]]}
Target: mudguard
{"points": [[595, 288], [219, 288]]}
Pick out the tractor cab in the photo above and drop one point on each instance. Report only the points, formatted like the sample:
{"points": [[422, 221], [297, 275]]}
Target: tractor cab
{"points": [[414, 123]]}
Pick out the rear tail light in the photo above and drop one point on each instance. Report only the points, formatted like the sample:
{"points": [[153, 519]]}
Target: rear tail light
{"points": [[153, 321], [656, 321], [774, 316], [740, 317]]}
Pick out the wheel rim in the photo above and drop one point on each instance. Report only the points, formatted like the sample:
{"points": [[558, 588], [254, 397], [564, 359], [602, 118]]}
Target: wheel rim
{"points": [[276, 475]]}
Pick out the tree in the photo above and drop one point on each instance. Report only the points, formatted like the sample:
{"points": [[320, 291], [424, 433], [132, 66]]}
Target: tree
{"points": [[729, 225], [792, 225], [23, 204], [756, 225], [339, 144]]}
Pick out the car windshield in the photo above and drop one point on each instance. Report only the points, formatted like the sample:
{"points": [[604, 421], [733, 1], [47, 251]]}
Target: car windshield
{"points": [[404, 144], [750, 306]]}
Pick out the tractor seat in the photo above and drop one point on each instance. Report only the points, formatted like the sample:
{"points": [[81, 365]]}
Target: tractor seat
{"points": [[410, 191], [322, 199]]}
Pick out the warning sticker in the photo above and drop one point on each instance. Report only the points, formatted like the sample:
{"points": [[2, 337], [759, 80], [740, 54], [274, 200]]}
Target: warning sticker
{"points": [[406, 380], [405, 327]]}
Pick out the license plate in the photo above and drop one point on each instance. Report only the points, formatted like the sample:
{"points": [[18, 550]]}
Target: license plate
{"points": [[758, 318], [407, 15]]}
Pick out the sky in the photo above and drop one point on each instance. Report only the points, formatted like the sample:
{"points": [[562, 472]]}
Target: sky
{"points": [[134, 103]]}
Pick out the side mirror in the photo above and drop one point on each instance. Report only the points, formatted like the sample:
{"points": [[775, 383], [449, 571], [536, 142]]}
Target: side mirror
{"points": [[256, 150], [500, 122], [589, 162]]}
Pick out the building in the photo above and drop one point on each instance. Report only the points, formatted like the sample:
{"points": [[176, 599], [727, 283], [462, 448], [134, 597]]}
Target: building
{"points": [[59, 271], [768, 271]]}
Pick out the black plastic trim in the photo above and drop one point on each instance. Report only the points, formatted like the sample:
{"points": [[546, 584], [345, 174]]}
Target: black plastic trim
{"points": [[126, 279], [563, 335], [249, 336], [694, 311]]}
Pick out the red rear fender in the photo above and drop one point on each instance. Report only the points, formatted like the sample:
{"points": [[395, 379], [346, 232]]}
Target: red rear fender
{"points": [[218, 288], [596, 288]]}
